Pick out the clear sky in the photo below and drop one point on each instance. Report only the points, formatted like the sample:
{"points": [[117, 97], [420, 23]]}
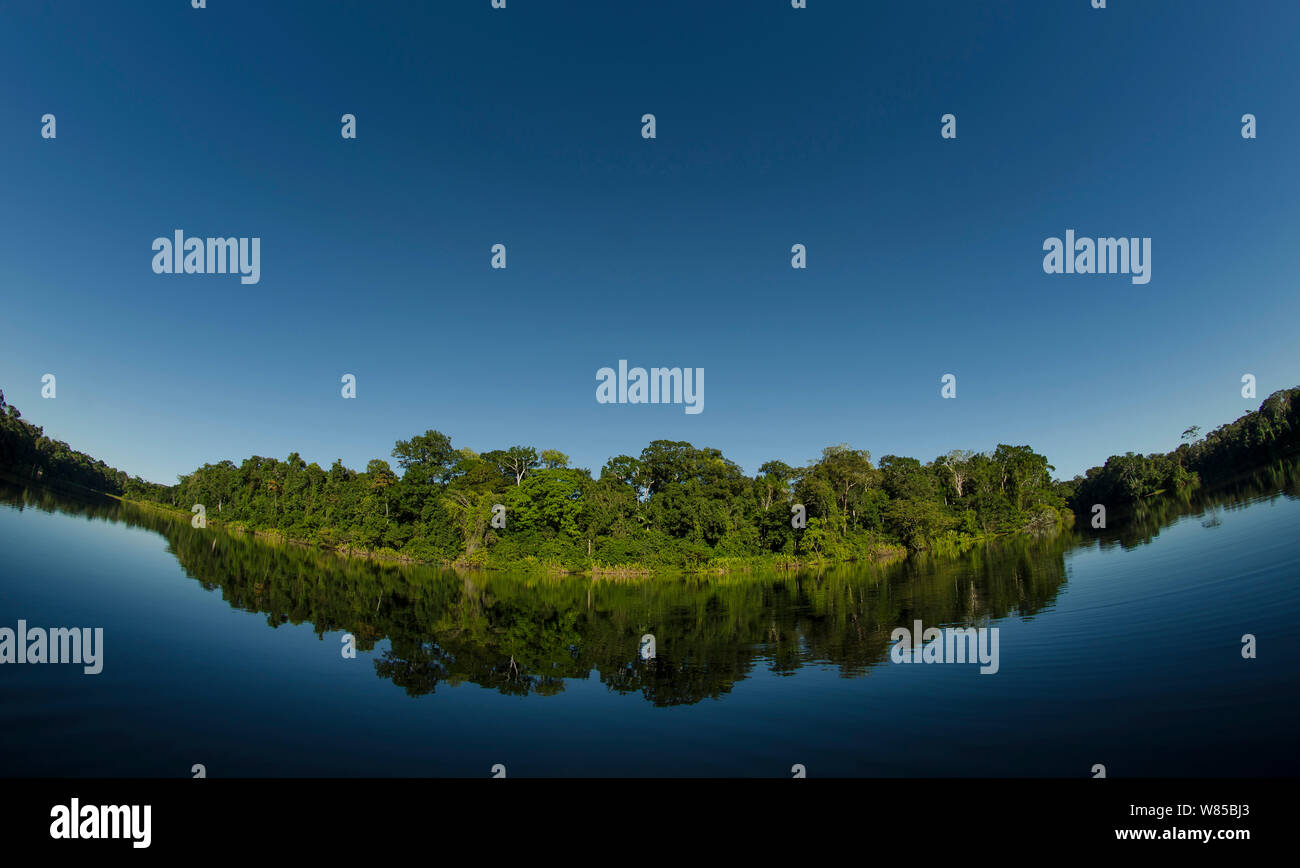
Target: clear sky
{"points": [[522, 126]]}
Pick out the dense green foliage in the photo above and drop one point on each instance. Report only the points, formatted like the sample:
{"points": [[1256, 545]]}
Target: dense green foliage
{"points": [[28, 453], [674, 505], [1255, 439]]}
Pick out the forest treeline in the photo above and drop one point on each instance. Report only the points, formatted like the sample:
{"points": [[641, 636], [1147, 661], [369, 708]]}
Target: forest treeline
{"points": [[523, 633], [28, 453], [1254, 440], [673, 505]]}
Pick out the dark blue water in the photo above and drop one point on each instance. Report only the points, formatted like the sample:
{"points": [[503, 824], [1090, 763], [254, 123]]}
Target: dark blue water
{"points": [[1123, 651]]}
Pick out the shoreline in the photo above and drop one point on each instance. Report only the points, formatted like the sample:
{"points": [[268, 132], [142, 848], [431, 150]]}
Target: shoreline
{"points": [[885, 553]]}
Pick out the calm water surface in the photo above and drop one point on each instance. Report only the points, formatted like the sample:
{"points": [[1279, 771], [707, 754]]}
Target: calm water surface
{"points": [[1120, 647]]}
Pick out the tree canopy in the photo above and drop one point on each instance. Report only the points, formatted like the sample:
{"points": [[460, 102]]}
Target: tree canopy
{"points": [[673, 505]]}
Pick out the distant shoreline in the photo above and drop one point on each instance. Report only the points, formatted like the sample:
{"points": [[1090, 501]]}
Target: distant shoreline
{"points": [[674, 508]]}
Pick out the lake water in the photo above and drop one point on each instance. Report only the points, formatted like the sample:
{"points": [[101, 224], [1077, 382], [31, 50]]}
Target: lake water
{"points": [[1118, 647]]}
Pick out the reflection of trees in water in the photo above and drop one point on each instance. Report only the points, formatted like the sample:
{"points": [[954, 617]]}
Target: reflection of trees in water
{"points": [[525, 635], [1141, 523], [22, 494]]}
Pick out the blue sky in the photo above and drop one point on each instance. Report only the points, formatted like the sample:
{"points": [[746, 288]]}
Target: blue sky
{"points": [[522, 126]]}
